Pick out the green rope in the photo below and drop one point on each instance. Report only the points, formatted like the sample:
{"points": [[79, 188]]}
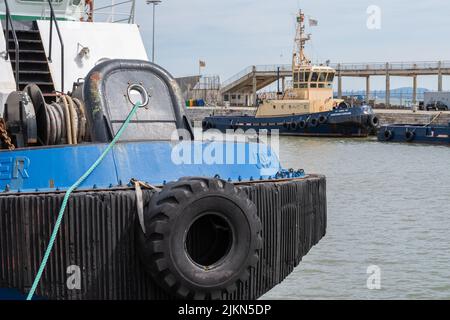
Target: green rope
{"points": [[68, 193]]}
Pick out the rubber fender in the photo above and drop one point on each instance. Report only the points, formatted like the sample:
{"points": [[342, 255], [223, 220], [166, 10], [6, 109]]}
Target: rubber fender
{"points": [[410, 135], [388, 135], [323, 119], [374, 121], [202, 236], [313, 122], [343, 105], [293, 126]]}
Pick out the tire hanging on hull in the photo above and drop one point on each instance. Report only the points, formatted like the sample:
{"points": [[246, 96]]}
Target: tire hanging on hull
{"points": [[201, 237]]}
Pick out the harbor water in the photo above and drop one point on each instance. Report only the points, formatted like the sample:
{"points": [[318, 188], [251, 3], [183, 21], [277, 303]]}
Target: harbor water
{"points": [[388, 210]]}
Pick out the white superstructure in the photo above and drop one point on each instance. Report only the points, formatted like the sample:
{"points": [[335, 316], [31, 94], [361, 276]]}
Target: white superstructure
{"points": [[85, 43], [39, 9]]}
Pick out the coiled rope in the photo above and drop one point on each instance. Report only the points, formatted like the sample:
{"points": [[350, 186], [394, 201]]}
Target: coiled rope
{"points": [[67, 196]]}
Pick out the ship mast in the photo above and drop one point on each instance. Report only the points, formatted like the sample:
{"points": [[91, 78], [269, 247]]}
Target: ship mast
{"points": [[299, 57]]}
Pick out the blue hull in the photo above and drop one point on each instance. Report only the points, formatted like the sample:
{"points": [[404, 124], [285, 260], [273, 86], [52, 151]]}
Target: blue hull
{"points": [[408, 133], [53, 168], [348, 122]]}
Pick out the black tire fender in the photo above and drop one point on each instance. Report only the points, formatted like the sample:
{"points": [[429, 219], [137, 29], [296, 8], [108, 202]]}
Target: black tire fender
{"points": [[302, 124], [410, 135], [313, 122], [374, 121], [184, 264], [293, 126], [388, 135], [322, 119]]}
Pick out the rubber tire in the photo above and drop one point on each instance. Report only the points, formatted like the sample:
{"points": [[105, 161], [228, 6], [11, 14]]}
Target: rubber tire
{"points": [[344, 105], [313, 122], [374, 121], [167, 219], [302, 124], [410, 135], [293, 126], [388, 135], [323, 119]]}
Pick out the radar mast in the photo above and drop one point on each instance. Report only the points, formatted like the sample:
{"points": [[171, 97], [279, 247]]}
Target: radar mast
{"points": [[299, 57]]}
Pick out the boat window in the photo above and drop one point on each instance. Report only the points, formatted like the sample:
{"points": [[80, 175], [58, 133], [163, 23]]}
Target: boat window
{"points": [[303, 85], [296, 75], [295, 85], [330, 77], [313, 85], [302, 77], [321, 85], [315, 76], [322, 77]]}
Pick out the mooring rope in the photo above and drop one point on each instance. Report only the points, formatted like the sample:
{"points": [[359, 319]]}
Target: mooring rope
{"points": [[67, 196], [434, 119]]}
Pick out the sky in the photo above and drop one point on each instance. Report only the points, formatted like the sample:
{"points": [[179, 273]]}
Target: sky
{"points": [[230, 35]]}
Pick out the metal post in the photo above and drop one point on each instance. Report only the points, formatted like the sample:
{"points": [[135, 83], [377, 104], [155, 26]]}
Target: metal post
{"points": [[339, 86], [367, 89], [414, 97], [113, 7], [254, 87], [278, 81], [440, 77], [153, 42], [7, 30], [51, 34], [339, 81], [388, 87]]}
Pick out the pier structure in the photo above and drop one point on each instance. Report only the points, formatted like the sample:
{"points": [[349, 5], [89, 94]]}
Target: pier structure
{"points": [[242, 88]]}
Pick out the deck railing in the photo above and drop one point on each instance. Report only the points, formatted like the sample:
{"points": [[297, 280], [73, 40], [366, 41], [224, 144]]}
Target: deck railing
{"points": [[109, 11], [371, 66], [258, 68], [54, 21], [9, 25]]}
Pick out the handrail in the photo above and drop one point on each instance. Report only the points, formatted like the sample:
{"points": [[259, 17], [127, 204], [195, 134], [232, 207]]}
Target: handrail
{"points": [[16, 42], [373, 66], [129, 17], [53, 18]]}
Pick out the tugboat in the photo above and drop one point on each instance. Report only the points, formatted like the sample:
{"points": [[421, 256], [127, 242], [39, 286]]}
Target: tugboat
{"points": [[102, 194], [308, 109]]}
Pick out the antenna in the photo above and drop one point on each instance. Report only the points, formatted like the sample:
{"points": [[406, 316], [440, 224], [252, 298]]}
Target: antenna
{"points": [[299, 57]]}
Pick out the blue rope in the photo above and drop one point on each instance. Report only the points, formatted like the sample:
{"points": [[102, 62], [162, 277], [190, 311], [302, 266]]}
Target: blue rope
{"points": [[68, 193]]}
